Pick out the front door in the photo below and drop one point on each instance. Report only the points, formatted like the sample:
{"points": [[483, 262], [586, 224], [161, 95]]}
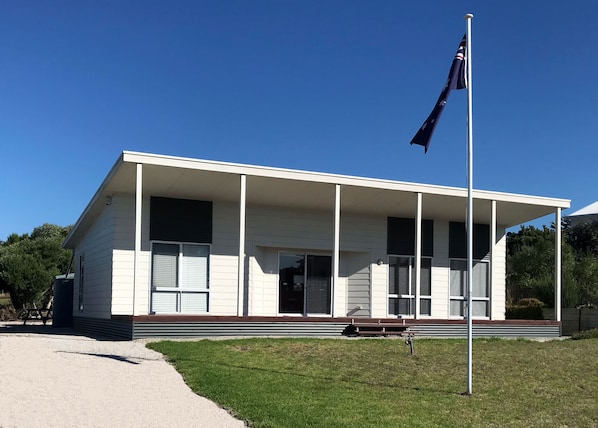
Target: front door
{"points": [[304, 284]]}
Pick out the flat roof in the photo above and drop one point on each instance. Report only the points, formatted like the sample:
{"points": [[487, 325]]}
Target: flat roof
{"points": [[181, 177]]}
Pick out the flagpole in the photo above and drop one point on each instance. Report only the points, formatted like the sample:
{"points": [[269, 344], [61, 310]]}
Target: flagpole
{"points": [[468, 18]]}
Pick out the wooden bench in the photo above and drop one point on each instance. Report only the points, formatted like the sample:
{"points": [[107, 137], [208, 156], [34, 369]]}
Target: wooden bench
{"points": [[384, 329], [35, 313]]}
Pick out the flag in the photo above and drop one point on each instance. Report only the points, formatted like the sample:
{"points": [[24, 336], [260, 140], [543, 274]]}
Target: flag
{"points": [[457, 79]]}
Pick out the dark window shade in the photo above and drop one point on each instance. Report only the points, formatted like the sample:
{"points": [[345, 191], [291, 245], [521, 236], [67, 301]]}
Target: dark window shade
{"points": [[458, 240], [401, 237], [180, 220]]}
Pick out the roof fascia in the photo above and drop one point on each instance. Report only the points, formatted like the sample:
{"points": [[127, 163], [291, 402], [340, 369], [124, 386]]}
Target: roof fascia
{"points": [[291, 174]]}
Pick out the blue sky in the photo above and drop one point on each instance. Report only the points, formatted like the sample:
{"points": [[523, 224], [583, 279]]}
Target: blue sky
{"points": [[329, 86]]}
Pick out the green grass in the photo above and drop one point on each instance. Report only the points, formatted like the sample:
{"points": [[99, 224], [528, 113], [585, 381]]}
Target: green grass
{"points": [[376, 383]]}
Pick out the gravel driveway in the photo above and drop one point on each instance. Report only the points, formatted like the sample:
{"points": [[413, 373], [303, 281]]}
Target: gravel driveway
{"points": [[52, 377]]}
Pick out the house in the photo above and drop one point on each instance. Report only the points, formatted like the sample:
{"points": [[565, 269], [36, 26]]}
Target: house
{"points": [[585, 215], [171, 247]]}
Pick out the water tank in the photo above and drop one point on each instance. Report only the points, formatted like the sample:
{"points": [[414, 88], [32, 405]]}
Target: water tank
{"points": [[63, 301]]}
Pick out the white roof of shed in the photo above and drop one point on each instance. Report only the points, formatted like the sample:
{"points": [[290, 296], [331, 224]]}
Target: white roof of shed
{"points": [[588, 210]]}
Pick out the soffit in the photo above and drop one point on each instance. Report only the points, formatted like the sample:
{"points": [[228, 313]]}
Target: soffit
{"points": [[193, 179]]}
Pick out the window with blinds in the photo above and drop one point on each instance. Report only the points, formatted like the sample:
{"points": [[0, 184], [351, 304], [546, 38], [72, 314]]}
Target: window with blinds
{"points": [[180, 278], [401, 286], [480, 292]]}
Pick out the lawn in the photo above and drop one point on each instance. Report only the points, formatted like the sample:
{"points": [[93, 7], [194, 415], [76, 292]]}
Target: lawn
{"points": [[376, 383]]}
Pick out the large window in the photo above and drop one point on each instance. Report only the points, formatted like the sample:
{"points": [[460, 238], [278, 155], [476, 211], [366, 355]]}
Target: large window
{"points": [[180, 278], [480, 295], [401, 286]]}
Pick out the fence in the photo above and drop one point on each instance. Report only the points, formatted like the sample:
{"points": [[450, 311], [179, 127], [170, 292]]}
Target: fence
{"points": [[574, 319]]}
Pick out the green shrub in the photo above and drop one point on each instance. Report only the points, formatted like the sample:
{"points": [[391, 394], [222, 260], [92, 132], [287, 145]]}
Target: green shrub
{"points": [[531, 302], [516, 312], [586, 334], [526, 309]]}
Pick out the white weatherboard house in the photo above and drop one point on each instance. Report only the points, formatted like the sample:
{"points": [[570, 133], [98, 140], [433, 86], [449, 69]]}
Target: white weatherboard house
{"points": [[172, 246]]}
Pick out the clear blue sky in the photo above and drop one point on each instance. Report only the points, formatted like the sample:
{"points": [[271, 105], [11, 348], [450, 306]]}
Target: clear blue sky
{"points": [[330, 86]]}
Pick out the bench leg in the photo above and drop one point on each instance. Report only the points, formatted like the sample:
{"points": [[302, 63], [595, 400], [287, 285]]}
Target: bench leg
{"points": [[409, 342]]}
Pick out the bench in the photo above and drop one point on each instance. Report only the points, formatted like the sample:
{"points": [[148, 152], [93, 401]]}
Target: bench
{"points": [[384, 329], [35, 313]]}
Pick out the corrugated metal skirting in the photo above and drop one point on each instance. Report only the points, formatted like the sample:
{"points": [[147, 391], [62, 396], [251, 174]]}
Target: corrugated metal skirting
{"points": [[108, 328], [488, 330], [127, 329], [212, 329]]}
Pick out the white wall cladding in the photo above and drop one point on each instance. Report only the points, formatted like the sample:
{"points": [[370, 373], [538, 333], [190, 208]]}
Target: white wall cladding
{"points": [[96, 246], [224, 259], [498, 293], [110, 259], [123, 257], [440, 271], [290, 228], [265, 273], [271, 230]]}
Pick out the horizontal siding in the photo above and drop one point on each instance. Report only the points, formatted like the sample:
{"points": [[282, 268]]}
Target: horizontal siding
{"points": [[96, 246], [123, 258], [358, 293], [224, 259], [440, 271], [499, 260], [290, 228]]}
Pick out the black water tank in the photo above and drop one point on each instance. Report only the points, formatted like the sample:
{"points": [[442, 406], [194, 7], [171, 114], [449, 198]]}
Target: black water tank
{"points": [[63, 302]]}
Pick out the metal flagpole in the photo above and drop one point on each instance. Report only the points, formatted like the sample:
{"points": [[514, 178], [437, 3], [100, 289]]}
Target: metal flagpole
{"points": [[468, 18]]}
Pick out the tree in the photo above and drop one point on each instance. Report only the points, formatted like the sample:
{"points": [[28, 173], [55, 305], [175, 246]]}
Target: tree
{"points": [[28, 264], [583, 237], [530, 264]]}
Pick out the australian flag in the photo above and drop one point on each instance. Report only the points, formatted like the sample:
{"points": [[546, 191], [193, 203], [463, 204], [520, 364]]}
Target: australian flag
{"points": [[457, 79]]}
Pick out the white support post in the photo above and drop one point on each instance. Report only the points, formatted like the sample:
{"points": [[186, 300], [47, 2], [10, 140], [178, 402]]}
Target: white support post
{"points": [[493, 227], [336, 255], [418, 254], [138, 213], [241, 270], [557, 264]]}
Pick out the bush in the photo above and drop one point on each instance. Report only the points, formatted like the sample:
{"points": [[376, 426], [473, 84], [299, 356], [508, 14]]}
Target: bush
{"points": [[586, 334], [531, 302], [526, 309]]}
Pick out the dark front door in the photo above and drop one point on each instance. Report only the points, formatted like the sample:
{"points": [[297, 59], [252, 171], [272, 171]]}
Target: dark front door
{"points": [[304, 284]]}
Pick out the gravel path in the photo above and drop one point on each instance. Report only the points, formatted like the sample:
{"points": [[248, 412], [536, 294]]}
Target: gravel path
{"points": [[64, 380]]}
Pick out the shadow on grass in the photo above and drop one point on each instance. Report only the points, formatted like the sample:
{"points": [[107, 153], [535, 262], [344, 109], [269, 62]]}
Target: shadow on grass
{"points": [[323, 378]]}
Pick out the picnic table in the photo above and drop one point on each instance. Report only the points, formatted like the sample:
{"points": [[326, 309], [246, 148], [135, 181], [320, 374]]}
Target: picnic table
{"points": [[384, 328], [35, 313]]}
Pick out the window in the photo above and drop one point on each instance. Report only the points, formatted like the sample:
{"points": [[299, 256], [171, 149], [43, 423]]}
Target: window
{"points": [[81, 280], [180, 278], [401, 286], [480, 294]]}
